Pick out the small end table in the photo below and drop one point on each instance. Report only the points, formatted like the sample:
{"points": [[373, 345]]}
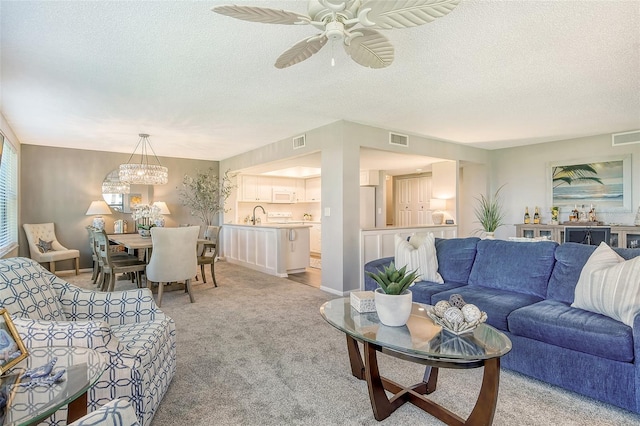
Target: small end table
{"points": [[29, 405]]}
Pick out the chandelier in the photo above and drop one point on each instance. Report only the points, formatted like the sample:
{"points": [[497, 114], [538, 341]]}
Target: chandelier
{"points": [[143, 173]]}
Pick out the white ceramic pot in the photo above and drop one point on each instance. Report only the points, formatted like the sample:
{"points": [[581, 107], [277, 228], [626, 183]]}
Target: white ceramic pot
{"points": [[393, 310], [144, 233], [489, 236]]}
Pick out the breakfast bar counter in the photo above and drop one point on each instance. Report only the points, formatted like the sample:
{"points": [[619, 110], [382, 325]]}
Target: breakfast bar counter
{"points": [[277, 249]]}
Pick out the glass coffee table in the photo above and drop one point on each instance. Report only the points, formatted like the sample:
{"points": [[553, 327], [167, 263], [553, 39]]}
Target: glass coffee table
{"points": [[29, 405], [423, 342]]}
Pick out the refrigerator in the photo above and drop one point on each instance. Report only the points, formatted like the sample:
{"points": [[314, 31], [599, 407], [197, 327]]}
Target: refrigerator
{"points": [[367, 207]]}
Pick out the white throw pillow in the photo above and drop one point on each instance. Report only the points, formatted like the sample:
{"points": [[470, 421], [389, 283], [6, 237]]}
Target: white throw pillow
{"points": [[609, 285], [420, 257]]}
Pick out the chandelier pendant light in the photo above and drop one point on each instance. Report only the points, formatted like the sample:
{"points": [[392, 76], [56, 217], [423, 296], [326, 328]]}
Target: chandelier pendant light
{"points": [[143, 173]]}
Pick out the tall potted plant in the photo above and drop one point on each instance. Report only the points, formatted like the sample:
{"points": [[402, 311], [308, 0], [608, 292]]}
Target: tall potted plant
{"points": [[489, 213], [205, 194]]}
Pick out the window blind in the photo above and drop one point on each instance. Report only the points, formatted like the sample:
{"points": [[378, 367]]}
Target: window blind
{"points": [[8, 197]]}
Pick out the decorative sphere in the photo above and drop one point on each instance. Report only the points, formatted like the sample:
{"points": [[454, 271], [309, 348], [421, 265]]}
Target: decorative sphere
{"points": [[471, 312], [441, 307], [457, 301], [454, 315]]}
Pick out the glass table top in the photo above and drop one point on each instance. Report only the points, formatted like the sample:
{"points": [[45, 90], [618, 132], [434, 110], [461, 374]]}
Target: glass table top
{"points": [[420, 337], [30, 404]]}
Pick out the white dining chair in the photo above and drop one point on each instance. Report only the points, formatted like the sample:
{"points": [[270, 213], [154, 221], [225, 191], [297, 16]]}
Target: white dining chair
{"points": [[174, 257]]}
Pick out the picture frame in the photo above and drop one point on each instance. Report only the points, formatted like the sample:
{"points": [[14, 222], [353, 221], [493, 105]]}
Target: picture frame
{"points": [[12, 349], [602, 182]]}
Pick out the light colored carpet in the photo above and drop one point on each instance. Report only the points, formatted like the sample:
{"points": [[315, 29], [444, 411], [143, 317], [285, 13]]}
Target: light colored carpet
{"points": [[255, 351]]}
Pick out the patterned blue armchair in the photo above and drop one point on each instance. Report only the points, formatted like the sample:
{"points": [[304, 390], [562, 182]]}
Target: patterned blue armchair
{"points": [[136, 338]]}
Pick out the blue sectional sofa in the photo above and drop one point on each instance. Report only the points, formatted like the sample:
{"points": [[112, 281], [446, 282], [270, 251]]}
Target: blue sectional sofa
{"points": [[527, 290]]}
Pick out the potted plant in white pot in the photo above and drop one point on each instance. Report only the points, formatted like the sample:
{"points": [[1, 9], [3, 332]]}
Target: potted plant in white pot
{"points": [[393, 298], [489, 213]]}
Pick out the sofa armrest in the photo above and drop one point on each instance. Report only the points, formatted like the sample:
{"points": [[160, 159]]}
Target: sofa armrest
{"points": [[374, 266], [86, 334], [115, 308]]}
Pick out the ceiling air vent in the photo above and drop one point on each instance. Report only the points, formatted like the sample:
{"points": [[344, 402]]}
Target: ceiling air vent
{"points": [[626, 138], [398, 139], [299, 142]]}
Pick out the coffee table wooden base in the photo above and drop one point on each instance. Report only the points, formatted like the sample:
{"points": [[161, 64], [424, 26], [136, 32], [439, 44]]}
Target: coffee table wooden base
{"points": [[383, 406]]}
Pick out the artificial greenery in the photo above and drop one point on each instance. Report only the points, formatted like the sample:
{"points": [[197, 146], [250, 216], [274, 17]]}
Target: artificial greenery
{"points": [[392, 280], [489, 212], [205, 194]]}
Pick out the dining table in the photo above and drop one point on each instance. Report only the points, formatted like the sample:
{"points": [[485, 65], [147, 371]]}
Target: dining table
{"points": [[134, 243]]}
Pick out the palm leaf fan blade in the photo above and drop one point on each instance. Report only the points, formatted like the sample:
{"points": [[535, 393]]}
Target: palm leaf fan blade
{"points": [[301, 51]]}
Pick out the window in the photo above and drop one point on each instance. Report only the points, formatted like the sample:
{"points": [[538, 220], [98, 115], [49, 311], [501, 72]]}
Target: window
{"points": [[8, 197]]}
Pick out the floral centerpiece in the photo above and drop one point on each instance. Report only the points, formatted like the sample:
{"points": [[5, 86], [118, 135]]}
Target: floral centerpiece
{"points": [[146, 217]]}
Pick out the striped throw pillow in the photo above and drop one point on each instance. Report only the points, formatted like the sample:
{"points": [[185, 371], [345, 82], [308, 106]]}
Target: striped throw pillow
{"points": [[609, 285]]}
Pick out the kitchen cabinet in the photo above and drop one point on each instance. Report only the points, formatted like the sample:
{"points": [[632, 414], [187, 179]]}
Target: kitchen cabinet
{"points": [[369, 177], [256, 188], [300, 191], [312, 189], [315, 238]]}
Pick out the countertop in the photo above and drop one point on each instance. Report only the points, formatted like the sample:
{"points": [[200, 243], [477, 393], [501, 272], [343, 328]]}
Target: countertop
{"points": [[387, 228], [273, 225]]}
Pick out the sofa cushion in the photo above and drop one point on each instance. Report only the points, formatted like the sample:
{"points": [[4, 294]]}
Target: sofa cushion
{"points": [[609, 285], [455, 258], [25, 291], [570, 258], [424, 290], [514, 266], [498, 304], [559, 324], [374, 266]]}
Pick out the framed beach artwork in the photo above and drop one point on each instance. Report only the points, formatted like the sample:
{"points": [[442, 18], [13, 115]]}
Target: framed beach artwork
{"points": [[12, 350], [604, 183]]}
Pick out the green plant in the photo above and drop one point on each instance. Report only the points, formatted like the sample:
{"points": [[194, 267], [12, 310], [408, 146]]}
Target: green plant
{"points": [[392, 280], [489, 212], [205, 194]]}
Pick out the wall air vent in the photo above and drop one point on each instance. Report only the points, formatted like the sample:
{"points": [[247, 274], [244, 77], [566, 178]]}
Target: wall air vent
{"points": [[299, 142], [398, 139], [626, 138]]}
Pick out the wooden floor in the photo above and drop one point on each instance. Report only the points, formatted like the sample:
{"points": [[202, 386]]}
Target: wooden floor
{"points": [[311, 277]]}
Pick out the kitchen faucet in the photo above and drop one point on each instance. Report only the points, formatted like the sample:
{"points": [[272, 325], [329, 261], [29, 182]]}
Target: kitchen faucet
{"points": [[253, 218]]}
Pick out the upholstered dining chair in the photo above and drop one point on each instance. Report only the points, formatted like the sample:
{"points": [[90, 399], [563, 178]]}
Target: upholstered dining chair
{"points": [[208, 253], [174, 257], [112, 265], [45, 248]]}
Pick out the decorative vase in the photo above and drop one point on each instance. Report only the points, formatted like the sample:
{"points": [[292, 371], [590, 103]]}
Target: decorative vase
{"points": [[144, 233], [393, 309], [489, 236]]}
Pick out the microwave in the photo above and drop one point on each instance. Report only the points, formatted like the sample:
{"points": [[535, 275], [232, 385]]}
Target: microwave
{"points": [[283, 197]]}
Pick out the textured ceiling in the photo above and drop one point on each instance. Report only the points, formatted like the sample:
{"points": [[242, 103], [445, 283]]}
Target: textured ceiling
{"points": [[94, 74]]}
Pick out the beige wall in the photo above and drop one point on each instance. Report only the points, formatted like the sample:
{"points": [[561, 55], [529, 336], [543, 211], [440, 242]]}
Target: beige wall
{"points": [[58, 184], [524, 171]]}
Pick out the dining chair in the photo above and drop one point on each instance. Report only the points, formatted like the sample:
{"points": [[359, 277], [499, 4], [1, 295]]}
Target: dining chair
{"points": [[174, 257], [209, 252], [45, 248], [115, 264]]}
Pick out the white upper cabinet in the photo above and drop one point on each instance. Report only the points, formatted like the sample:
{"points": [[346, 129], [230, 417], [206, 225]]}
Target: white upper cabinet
{"points": [[312, 189], [369, 177]]}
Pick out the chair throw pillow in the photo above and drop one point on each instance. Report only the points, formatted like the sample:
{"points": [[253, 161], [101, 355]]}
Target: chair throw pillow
{"points": [[419, 253], [609, 285], [44, 246]]}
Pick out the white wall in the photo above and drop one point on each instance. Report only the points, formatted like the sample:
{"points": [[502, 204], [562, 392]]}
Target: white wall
{"points": [[524, 171]]}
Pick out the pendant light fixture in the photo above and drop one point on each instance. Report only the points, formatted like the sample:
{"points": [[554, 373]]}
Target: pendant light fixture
{"points": [[143, 173]]}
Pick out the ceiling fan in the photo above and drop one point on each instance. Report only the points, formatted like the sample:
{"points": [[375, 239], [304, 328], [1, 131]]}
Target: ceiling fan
{"points": [[352, 22]]}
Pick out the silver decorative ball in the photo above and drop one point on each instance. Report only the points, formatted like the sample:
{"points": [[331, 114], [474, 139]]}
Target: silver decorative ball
{"points": [[457, 301], [471, 312], [441, 307], [454, 315]]}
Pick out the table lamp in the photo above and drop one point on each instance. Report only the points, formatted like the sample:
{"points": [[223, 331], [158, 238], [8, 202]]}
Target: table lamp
{"points": [[98, 208], [163, 210], [436, 205]]}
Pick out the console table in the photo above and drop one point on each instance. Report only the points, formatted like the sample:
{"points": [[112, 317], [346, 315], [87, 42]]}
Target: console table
{"points": [[621, 236]]}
